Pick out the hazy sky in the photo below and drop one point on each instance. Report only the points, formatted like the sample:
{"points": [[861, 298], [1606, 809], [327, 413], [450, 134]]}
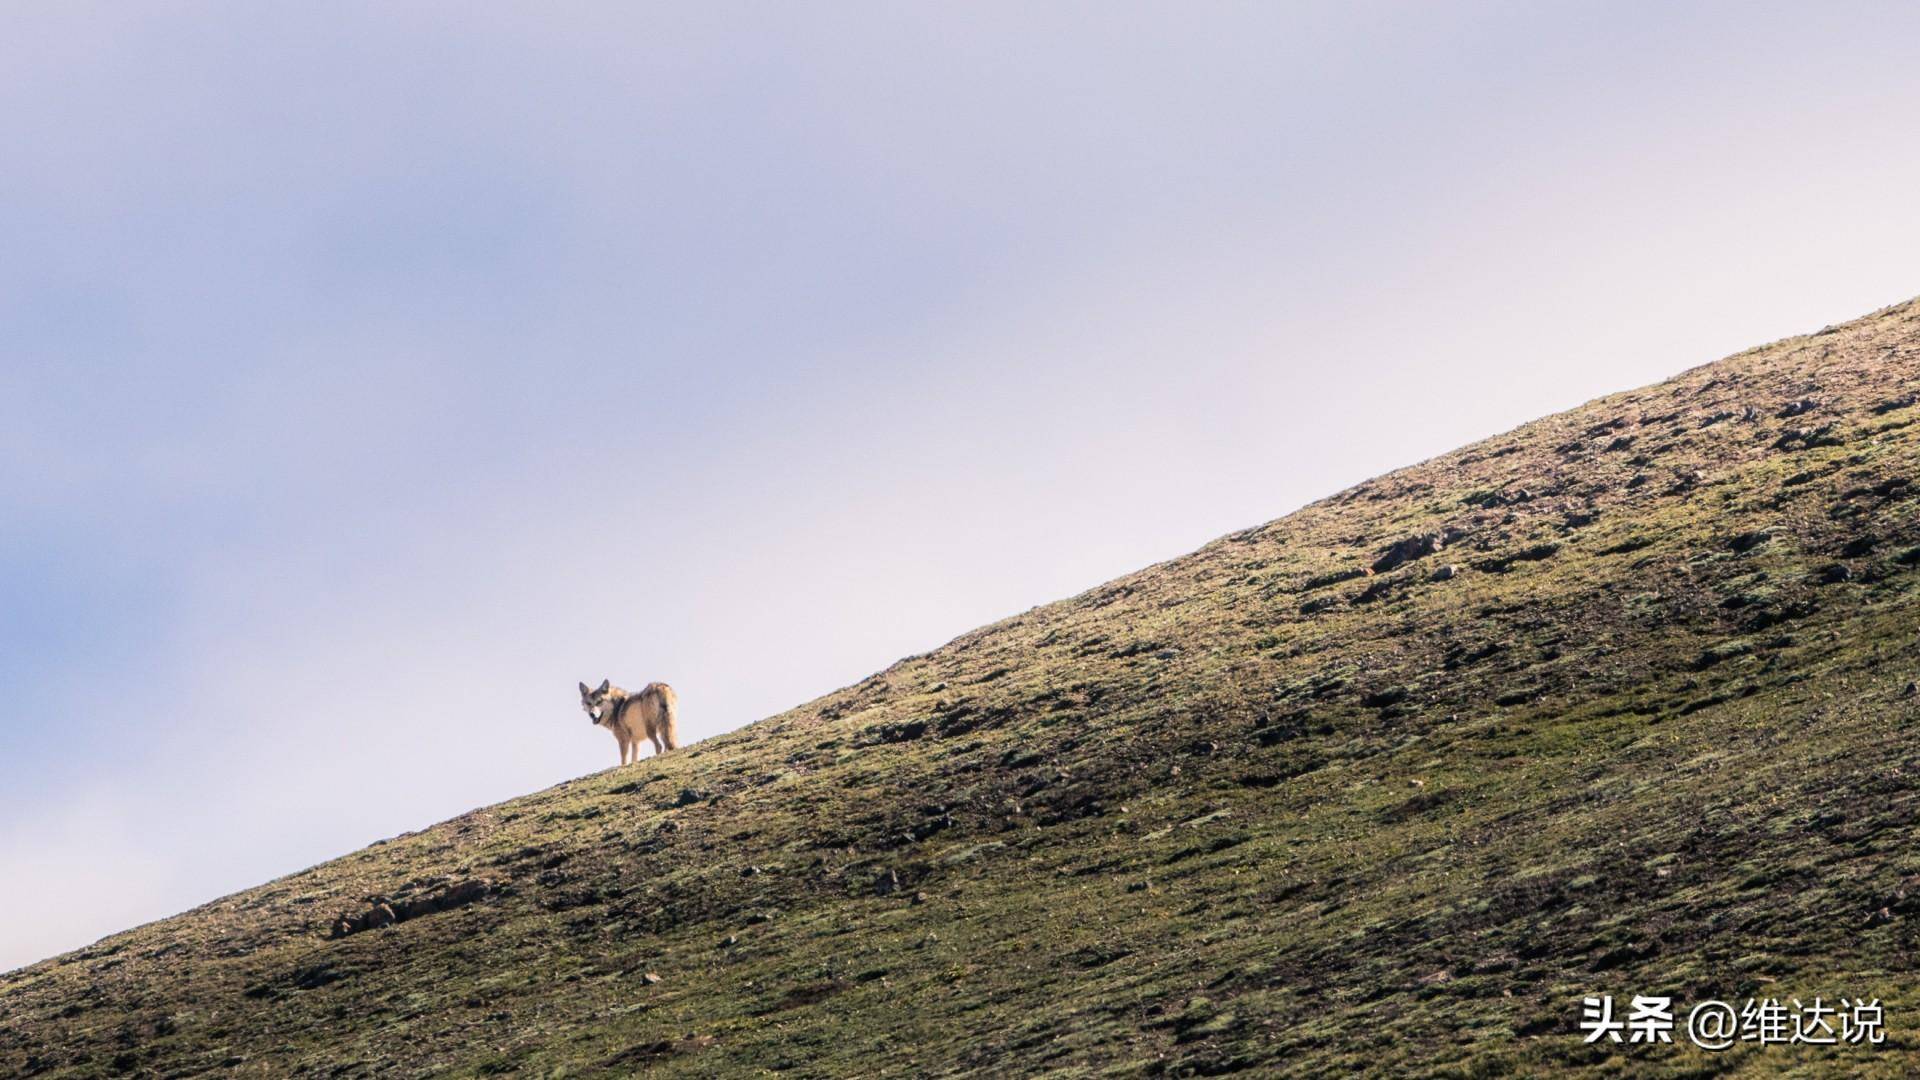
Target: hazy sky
{"points": [[373, 373]]}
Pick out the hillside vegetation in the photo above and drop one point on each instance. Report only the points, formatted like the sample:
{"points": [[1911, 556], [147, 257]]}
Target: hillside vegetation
{"points": [[1619, 702]]}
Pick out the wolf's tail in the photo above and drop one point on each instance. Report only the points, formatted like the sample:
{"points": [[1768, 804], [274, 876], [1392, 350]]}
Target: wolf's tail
{"points": [[670, 717]]}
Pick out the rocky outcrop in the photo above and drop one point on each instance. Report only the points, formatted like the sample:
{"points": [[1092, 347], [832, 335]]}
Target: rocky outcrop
{"points": [[385, 911]]}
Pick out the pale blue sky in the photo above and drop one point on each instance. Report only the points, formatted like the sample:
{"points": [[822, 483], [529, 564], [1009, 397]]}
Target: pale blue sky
{"points": [[372, 373]]}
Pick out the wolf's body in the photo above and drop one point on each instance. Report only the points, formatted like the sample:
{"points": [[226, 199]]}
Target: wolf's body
{"points": [[651, 714]]}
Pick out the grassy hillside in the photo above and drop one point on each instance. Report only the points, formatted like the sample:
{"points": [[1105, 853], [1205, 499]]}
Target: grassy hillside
{"points": [[1619, 702]]}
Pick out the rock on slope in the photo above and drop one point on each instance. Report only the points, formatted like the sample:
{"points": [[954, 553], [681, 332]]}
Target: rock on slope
{"points": [[1618, 702]]}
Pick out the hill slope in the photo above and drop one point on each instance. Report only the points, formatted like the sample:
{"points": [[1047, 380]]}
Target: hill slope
{"points": [[1624, 706]]}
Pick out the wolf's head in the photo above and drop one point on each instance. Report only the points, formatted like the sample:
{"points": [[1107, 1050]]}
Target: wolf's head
{"points": [[595, 701]]}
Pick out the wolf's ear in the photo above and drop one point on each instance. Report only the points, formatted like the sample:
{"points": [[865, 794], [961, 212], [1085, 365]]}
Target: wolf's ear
{"points": [[583, 690], [605, 685]]}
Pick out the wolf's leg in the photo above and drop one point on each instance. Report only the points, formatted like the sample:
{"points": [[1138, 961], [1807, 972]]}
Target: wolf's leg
{"points": [[623, 750]]}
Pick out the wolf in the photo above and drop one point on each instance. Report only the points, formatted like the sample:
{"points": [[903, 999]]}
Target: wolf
{"points": [[653, 713]]}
